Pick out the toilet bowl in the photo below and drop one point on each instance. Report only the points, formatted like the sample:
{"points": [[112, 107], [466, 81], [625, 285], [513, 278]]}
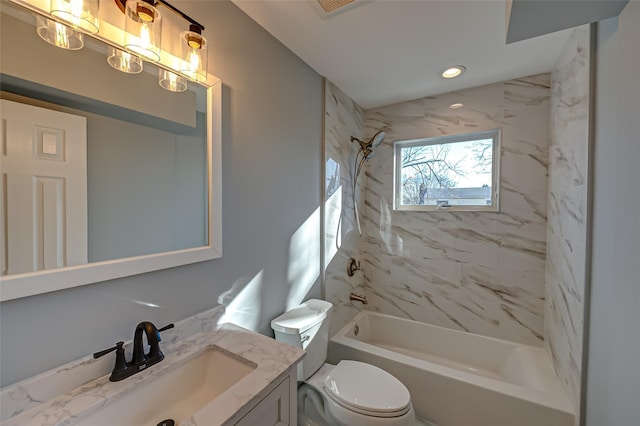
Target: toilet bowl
{"points": [[356, 394], [351, 393]]}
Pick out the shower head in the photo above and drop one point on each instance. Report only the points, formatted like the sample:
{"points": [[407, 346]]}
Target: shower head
{"points": [[367, 147], [367, 152], [377, 139]]}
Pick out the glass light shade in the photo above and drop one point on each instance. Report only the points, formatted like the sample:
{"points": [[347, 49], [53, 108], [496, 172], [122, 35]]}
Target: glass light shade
{"points": [[79, 14], [143, 29], [171, 81], [59, 34], [194, 56], [124, 61]]}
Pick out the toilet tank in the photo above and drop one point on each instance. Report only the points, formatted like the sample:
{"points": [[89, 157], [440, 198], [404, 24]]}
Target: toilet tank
{"points": [[306, 326]]}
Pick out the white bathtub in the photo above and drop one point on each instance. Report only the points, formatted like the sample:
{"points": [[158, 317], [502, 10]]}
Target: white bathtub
{"points": [[457, 378]]}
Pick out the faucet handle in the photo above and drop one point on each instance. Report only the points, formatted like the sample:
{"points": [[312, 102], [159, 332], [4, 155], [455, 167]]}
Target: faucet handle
{"points": [[106, 351], [120, 366], [154, 350], [165, 328]]}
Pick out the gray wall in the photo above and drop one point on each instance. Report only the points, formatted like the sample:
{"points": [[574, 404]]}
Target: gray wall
{"points": [[272, 145], [613, 381], [146, 189]]}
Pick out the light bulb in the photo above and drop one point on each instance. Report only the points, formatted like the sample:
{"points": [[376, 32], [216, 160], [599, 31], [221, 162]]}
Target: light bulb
{"points": [[145, 38], [194, 54], [194, 62], [143, 27], [453, 71], [75, 7]]}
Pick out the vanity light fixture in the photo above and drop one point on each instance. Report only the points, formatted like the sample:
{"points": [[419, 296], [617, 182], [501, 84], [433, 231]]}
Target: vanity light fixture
{"points": [[194, 53], [81, 15], [59, 34], [171, 81], [124, 61], [143, 36], [143, 29], [453, 71]]}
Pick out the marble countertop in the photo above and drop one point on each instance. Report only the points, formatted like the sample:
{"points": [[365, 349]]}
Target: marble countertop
{"points": [[273, 359]]}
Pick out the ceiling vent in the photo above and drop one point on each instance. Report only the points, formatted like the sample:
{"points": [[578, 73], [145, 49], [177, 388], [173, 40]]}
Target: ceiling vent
{"points": [[328, 8]]}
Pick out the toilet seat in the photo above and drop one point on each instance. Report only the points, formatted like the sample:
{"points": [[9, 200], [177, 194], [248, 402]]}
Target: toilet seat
{"points": [[367, 389]]}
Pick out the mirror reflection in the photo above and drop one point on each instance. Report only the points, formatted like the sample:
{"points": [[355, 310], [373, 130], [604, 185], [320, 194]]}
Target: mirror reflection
{"points": [[96, 164]]}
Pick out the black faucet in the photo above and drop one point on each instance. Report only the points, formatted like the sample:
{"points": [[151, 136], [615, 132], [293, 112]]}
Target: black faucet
{"points": [[139, 360]]}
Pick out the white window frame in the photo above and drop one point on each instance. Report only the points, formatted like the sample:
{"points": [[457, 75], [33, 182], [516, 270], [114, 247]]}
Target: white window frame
{"points": [[494, 134]]}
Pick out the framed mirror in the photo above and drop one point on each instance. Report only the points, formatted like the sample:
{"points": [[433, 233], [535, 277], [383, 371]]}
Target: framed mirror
{"points": [[104, 174]]}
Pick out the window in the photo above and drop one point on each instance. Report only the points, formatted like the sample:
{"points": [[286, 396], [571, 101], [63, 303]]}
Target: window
{"points": [[457, 172]]}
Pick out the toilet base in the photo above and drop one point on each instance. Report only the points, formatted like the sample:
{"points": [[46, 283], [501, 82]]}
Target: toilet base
{"points": [[311, 400], [309, 416]]}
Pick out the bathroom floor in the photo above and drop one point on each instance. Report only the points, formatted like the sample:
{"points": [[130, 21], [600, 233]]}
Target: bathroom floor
{"points": [[313, 419], [419, 422], [422, 422]]}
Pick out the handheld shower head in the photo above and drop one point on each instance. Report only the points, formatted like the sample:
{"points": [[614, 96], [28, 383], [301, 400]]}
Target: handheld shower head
{"points": [[367, 152], [377, 139]]}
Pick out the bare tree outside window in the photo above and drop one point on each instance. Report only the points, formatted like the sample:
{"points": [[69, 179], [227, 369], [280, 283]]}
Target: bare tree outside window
{"points": [[426, 167], [458, 172]]}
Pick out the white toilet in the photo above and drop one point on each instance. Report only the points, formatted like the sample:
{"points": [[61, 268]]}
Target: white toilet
{"points": [[351, 393]]}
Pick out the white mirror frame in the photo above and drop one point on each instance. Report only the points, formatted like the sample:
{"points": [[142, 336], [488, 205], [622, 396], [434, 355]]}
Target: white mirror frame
{"points": [[32, 283]]}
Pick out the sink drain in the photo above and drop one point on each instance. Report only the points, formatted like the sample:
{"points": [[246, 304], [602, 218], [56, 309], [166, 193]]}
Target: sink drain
{"points": [[168, 422]]}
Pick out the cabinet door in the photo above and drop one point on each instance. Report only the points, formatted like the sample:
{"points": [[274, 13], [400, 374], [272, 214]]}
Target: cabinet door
{"points": [[272, 410]]}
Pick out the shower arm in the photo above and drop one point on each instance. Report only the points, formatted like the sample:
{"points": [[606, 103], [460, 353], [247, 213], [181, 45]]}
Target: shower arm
{"points": [[363, 145]]}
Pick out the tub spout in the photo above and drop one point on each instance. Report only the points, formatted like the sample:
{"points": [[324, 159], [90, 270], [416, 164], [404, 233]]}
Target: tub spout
{"points": [[358, 298]]}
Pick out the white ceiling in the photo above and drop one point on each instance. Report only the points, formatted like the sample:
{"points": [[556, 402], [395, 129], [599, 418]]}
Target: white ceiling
{"points": [[385, 51]]}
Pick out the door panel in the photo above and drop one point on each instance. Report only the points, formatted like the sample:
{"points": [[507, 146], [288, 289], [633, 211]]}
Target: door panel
{"points": [[44, 189]]}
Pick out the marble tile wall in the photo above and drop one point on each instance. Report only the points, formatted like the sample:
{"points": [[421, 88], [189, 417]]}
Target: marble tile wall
{"points": [[480, 272], [343, 119], [567, 228]]}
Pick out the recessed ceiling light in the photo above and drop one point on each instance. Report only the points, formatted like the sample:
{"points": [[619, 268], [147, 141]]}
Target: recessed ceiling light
{"points": [[453, 71], [456, 105]]}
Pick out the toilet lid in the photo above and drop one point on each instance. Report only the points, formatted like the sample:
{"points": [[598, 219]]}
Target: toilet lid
{"points": [[365, 387]]}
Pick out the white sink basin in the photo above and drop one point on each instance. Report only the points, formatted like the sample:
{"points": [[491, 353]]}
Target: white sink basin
{"points": [[176, 394]]}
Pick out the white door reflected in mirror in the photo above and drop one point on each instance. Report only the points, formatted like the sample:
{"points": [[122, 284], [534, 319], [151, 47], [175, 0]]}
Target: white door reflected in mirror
{"points": [[43, 190]]}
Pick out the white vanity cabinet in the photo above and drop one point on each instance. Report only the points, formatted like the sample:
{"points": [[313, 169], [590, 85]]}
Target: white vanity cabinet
{"points": [[277, 408]]}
